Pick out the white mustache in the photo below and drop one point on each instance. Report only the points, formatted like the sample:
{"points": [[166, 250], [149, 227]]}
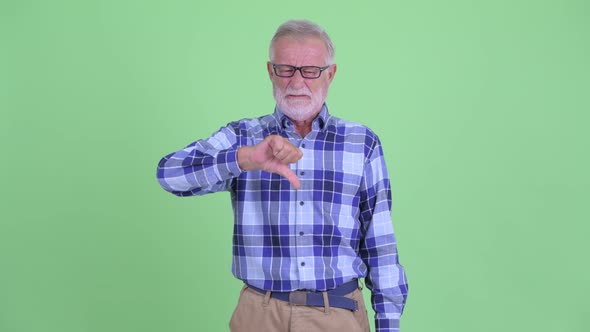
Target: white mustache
{"points": [[298, 92]]}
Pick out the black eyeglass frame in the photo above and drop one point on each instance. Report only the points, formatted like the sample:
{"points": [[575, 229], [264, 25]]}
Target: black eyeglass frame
{"points": [[300, 69]]}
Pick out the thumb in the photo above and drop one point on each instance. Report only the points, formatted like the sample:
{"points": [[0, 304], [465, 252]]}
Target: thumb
{"points": [[286, 172]]}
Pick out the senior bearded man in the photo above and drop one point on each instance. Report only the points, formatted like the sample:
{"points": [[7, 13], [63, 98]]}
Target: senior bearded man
{"points": [[311, 198]]}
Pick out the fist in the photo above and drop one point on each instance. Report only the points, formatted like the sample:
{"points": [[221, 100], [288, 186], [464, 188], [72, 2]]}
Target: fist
{"points": [[273, 154]]}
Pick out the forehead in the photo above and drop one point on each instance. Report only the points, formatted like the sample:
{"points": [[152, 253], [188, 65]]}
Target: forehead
{"points": [[309, 51]]}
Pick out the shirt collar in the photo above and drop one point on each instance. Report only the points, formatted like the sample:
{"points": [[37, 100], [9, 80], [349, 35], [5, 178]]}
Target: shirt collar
{"points": [[318, 123]]}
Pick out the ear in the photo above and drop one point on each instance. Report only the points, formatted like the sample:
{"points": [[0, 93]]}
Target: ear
{"points": [[331, 72], [269, 69]]}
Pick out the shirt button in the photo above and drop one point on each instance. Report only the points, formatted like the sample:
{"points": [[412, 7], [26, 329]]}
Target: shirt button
{"points": [[302, 172], [301, 203], [302, 263], [301, 233], [303, 145]]}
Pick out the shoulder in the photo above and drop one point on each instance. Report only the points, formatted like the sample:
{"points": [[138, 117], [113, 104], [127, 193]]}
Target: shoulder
{"points": [[356, 136], [351, 129], [253, 126]]}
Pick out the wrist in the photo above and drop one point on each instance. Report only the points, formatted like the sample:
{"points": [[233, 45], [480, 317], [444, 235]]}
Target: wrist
{"points": [[244, 161]]}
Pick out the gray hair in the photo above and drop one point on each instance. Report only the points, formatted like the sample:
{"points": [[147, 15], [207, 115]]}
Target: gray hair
{"points": [[300, 29]]}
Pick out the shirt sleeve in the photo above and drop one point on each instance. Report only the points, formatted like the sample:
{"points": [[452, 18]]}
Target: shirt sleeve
{"points": [[204, 166], [386, 277]]}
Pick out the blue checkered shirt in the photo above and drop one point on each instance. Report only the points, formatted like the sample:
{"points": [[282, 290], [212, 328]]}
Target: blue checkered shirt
{"points": [[335, 228]]}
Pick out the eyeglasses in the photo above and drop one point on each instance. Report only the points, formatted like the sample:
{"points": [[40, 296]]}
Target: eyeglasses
{"points": [[306, 71]]}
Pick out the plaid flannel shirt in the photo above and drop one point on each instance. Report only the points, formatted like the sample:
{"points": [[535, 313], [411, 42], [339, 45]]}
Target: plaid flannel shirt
{"points": [[336, 227]]}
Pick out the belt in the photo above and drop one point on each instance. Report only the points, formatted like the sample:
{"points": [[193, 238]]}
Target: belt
{"points": [[336, 296]]}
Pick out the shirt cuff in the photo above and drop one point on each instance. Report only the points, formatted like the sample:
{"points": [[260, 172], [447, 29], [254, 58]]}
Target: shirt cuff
{"points": [[386, 325], [227, 164]]}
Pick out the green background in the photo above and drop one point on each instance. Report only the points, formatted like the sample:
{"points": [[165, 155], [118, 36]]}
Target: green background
{"points": [[482, 108]]}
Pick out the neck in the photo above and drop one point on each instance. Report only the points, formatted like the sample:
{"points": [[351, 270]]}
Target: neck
{"points": [[303, 127]]}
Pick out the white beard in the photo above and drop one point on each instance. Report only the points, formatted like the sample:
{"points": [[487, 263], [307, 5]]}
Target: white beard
{"points": [[299, 109]]}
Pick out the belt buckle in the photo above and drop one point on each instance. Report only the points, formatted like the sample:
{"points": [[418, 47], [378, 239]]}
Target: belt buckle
{"points": [[298, 298]]}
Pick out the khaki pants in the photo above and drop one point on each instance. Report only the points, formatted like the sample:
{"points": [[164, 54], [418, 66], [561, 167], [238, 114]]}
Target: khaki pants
{"points": [[256, 312]]}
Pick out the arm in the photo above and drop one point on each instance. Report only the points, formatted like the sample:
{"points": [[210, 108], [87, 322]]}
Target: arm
{"points": [[209, 165], [386, 277], [202, 167]]}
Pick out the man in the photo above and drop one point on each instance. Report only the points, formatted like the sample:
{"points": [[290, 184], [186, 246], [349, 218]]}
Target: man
{"points": [[311, 199]]}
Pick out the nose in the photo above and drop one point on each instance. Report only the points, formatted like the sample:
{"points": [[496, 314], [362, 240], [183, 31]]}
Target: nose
{"points": [[297, 80]]}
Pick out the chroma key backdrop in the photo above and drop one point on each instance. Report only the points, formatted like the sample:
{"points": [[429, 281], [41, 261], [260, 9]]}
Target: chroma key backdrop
{"points": [[482, 107]]}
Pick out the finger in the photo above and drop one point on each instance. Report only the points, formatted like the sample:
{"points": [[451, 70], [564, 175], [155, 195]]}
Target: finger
{"points": [[285, 151], [286, 172], [280, 145], [276, 143], [293, 156], [267, 149], [281, 154], [289, 155]]}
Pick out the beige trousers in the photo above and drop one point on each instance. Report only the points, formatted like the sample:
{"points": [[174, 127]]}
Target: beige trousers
{"points": [[256, 312]]}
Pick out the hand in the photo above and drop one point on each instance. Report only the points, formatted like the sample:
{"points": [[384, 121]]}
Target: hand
{"points": [[273, 154]]}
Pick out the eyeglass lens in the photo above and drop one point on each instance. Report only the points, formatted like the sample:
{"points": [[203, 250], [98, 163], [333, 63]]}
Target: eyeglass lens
{"points": [[306, 71]]}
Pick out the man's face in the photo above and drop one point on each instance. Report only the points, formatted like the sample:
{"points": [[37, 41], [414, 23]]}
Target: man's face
{"points": [[300, 98]]}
